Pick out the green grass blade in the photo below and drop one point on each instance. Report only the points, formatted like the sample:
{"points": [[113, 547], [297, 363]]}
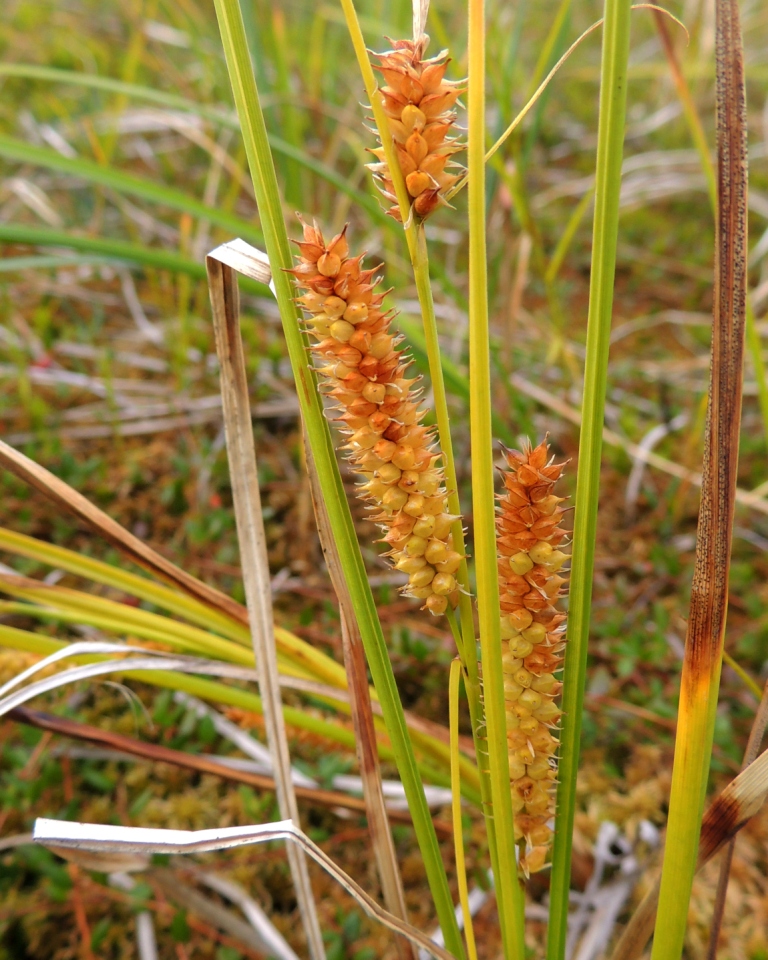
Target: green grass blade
{"points": [[268, 199], [508, 891], [107, 250], [21, 152], [216, 115], [610, 141]]}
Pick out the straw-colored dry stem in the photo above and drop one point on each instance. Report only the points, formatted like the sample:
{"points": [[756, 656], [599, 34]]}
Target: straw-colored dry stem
{"points": [[363, 370], [418, 101], [532, 630]]}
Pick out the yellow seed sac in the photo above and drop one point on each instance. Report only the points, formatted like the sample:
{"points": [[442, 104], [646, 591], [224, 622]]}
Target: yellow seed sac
{"points": [[540, 552], [526, 754], [539, 769], [521, 619], [520, 647], [424, 527], [436, 551], [395, 499], [509, 662], [342, 331], [436, 605], [548, 712], [516, 767], [443, 524], [374, 392], [451, 563], [421, 593], [404, 457], [443, 584], [416, 546], [531, 700], [507, 630], [521, 563], [415, 505], [535, 633], [556, 560], [356, 313], [529, 726], [422, 577], [389, 473], [411, 564], [334, 307]]}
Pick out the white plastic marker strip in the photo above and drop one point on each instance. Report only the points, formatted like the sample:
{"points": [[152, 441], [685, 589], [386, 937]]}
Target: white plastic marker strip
{"points": [[105, 838]]}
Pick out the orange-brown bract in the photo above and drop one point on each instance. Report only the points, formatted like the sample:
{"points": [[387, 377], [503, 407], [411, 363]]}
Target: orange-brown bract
{"points": [[418, 101], [361, 367], [532, 632]]}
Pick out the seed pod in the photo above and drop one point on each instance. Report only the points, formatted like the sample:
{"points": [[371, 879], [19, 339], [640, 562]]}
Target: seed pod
{"points": [[365, 373], [418, 101], [532, 633]]}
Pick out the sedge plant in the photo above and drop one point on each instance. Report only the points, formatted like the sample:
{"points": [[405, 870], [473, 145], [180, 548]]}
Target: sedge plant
{"points": [[500, 592]]}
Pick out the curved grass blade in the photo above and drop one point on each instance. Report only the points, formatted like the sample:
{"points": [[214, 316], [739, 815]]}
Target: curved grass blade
{"points": [[243, 472], [100, 838]]}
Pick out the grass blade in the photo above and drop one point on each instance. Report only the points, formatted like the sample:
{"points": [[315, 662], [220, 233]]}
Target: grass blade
{"points": [[22, 152], [756, 735], [709, 597], [458, 835], [508, 890], [610, 139], [213, 114], [362, 717], [75, 503], [101, 838], [741, 800], [268, 199], [243, 472]]}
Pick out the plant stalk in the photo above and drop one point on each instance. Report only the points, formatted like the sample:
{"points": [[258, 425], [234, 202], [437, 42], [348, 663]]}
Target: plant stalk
{"points": [[508, 890], [610, 141], [276, 240]]}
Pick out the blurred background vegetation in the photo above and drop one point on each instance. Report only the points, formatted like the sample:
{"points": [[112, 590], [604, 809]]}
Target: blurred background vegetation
{"points": [[111, 192]]}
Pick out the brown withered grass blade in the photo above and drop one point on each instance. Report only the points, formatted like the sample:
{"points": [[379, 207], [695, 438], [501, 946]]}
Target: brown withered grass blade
{"points": [[753, 748], [241, 452], [709, 595], [734, 808], [134, 549], [362, 719], [156, 753]]}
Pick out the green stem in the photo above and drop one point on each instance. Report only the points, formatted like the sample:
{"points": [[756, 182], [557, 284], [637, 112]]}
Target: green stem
{"points": [[610, 140], [417, 250], [276, 240], [508, 891]]}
